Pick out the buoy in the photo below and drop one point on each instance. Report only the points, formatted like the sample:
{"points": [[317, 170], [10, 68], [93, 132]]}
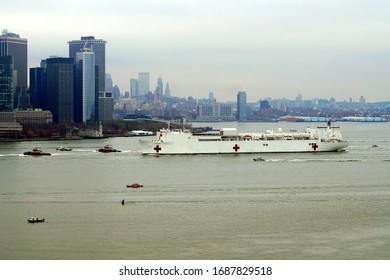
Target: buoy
{"points": [[123, 202]]}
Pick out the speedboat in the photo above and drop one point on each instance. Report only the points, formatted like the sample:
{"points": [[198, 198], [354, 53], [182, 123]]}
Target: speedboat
{"points": [[258, 159], [35, 220], [134, 186], [36, 152], [108, 149]]}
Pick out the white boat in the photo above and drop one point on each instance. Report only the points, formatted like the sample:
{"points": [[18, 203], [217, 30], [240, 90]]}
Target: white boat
{"points": [[230, 141], [140, 133]]}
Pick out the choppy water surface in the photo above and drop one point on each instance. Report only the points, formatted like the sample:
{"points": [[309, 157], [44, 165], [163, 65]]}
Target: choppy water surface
{"points": [[290, 206]]}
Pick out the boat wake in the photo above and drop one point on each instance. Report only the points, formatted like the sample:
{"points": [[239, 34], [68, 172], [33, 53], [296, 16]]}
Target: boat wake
{"points": [[314, 160]]}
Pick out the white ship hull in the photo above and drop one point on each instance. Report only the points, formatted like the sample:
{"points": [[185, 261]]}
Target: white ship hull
{"points": [[228, 142]]}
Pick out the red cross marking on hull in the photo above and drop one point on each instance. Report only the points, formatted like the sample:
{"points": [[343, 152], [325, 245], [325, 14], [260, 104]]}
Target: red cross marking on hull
{"points": [[157, 148]]}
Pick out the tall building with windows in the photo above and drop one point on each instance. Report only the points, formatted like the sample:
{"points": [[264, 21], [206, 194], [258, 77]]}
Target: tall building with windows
{"points": [[12, 44], [6, 83], [143, 83], [241, 106], [98, 47], [134, 93], [106, 107], [160, 86], [167, 91], [38, 87], [60, 88], [86, 93]]}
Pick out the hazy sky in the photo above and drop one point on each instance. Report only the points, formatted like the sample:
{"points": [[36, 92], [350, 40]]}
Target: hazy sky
{"points": [[268, 48]]}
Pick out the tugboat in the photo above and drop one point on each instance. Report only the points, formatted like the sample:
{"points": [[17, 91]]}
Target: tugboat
{"points": [[36, 152], [35, 220], [108, 149]]}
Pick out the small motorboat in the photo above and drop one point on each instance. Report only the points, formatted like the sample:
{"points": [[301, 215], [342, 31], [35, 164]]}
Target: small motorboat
{"points": [[134, 186], [36, 152], [258, 159], [64, 149], [375, 146], [108, 149], [35, 220]]}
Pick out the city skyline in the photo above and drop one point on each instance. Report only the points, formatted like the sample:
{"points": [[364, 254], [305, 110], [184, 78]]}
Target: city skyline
{"points": [[278, 49]]}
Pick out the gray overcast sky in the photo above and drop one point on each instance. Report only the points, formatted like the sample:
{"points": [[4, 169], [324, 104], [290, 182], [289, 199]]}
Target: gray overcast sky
{"points": [[268, 48]]}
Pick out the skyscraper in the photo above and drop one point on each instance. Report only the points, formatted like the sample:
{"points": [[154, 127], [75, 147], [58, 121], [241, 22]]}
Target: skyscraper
{"points": [[6, 83], [12, 44], [134, 93], [167, 91], [160, 85], [60, 88], [143, 83], [109, 87], [86, 93], [106, 107], [98, 47], [38, 87], [241, 106]]}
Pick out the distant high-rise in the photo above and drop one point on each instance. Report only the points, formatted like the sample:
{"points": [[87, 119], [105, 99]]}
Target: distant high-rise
{"points": [[134, 93], [85, 87], [241, 106], [160, 85], [143, 83], [109, 87], [60, 88], [6, 83], [98, 47], [167, 91], [264, 104]]}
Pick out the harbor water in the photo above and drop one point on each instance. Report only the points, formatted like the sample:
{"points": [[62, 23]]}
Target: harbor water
{"points": [[290, 206]]}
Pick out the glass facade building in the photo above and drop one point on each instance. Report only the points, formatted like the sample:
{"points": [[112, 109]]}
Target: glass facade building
{"points": [[12, 44], [241, 106], [6, 83], [86, 91], [60, 88], [143, 83], [98, 47]]}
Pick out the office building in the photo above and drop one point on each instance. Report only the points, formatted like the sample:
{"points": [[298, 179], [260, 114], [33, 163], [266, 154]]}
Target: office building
{"points": [[6, 83], [167, 91], [214, 112], [106, 107], [38, 87], [12, 44], [143, 83], [98, 47], [60, 88], [109, 86], [241, 106], [85, 87], [160, 87], [134, 93]]}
